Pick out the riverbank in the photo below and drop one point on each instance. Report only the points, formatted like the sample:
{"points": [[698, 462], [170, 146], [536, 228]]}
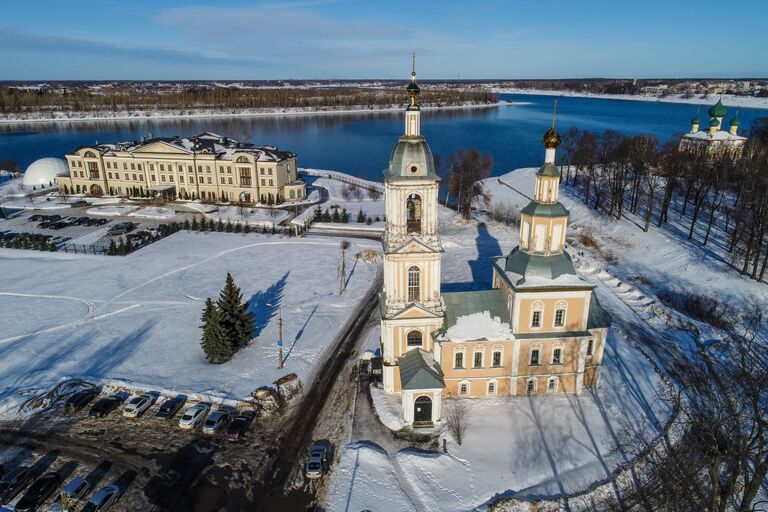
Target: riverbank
{"points": [[56, 117], [728, 99]]}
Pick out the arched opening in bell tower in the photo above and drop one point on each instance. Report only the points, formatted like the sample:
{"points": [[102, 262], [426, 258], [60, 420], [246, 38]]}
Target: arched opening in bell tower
{"points": [[413, 207]]}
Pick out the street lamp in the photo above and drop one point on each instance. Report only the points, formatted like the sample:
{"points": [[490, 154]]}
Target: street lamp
{"points": [[280, 336]]}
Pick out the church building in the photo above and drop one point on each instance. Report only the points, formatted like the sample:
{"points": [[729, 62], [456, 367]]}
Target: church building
{"points": [[714, 139], [539, 330]]}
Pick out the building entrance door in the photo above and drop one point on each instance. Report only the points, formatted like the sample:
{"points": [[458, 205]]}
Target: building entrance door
{"points": [[422, 409]]}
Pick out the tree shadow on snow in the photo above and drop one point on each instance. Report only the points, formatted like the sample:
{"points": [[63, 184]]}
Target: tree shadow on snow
{"points": [[264, 303]]}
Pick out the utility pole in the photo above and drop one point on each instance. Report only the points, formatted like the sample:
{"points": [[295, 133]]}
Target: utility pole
{"points": [[280, 337]]}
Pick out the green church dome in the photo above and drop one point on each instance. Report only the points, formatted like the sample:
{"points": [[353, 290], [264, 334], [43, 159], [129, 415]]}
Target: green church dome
{"points": [[714, 123], [696, 120], [718, 109], [736, 121]]}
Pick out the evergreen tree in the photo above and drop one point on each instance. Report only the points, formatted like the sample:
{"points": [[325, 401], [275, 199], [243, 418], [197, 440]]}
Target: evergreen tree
{"points": [[238, 228], [235, 318], [187, 225], [247, 228], [360, 216], [215, 340], [326, 216], [318, 214], [228, 228], [121, 247], [112, 250], [344, 216], [219, 226], [335, 217]]}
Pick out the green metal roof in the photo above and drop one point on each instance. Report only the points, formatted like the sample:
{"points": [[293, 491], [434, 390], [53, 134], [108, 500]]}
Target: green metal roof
{"points": [[714, 122], [545, 210], [548, 169], [419, 370], [410, 152], [696, 120], [531, 265], [598, 316], [736, 121], [458, 304], [718, 109]]}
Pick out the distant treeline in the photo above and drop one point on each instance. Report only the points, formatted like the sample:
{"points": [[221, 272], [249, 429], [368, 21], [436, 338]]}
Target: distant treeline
{"points": [[117, 99]]}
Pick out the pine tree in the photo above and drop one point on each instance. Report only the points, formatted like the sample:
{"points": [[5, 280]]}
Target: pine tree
{"points": [[112, 250], [187, 225], [215, 340], [344, 216], [238, 228], [235, 318], [228, 228], [247, 228], [360, 216], [220, 226], [318, 214], [326, 216], [335, 217], [121, 247]]}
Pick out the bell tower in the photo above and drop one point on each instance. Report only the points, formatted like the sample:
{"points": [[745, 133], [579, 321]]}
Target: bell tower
{"points": [[410, 303]]}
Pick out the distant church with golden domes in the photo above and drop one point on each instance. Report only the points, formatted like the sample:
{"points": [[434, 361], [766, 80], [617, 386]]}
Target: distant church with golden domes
{"points": [[714, 139], [540, 328]]}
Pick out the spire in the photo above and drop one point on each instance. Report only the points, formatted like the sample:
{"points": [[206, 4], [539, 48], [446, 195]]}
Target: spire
{"points": [[413, 88]]}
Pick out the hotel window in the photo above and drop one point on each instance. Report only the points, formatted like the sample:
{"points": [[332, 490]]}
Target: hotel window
{"points": [[170, 178], [559, 318], [181, 178], [133, 167], [209, 180], [207, 168], [414, 339], [110, 175], [414, 284], [199, 168], [497, 359], [125, 166], [134, 178], [162, 167], [151, 167], [80, 163], [552, 385], [190, 168], [261, 170], [152, 177], [201, 179], [590, 347], [458, 360], [464, 388], [229, 181], [223, 180], [162, 178], [126, 176], [271, 183], [82, 174], [229, 169], [141, 177], [530, 387], [269, 171], [557, 356], [477, 362], [263, 182], [138, 166], [535, 357]]}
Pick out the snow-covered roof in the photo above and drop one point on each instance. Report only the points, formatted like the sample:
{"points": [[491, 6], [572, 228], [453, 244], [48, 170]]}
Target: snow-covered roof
{"points": [[719, 135], [223, 148], [476, 315], [479, 326]]}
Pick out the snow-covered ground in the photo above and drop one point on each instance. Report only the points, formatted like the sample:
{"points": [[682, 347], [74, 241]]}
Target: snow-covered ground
{"points": [[730, 99], [134, 319]]}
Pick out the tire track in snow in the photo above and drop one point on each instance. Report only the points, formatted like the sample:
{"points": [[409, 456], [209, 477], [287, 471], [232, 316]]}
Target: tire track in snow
{"points": [[90, 305]]}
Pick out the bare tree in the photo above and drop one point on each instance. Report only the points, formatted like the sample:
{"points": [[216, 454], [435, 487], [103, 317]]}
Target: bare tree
{"points": [[456, 414], [468, 169], [373, 193]]}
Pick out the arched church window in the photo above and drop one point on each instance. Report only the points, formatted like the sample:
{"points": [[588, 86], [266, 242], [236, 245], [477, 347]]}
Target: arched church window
{"points": [[414, 284], [413, 207], [414, 339]]}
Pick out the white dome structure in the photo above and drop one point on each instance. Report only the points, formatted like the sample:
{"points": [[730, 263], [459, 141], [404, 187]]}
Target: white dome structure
{"points": [[44, 172]]}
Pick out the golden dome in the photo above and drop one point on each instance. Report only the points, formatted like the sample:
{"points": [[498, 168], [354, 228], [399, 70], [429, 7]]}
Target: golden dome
{"points": [[551, 139]]}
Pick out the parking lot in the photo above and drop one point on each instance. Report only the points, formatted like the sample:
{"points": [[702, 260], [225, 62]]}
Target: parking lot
{"points": [[156, 464], [73, 230]]}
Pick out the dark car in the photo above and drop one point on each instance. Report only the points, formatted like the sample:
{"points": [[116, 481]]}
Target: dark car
{"points": [[13, 483], [106, 405], [170, 407], [121, 228], [38, 492], [36, 217], [240, 425], [80, 203], [80, 399], [59, 225]]}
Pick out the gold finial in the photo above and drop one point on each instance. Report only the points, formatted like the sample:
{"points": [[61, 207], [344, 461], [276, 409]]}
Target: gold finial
{"points": [[552, 139]]}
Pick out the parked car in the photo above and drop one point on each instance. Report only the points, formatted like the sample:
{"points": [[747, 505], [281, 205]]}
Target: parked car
{"points": [[75, 490], [216, 422], [194, 415], [121, 228], [240, 425], [170, 407], [36, 217], [106, 405], [80, 399], [318, 461], [79, 204], [38, 492], [103, 499], [137, 405], [13, 482]]}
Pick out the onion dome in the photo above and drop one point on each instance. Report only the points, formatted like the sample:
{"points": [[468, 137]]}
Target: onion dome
{"points": [[736, 121], [718, 109], [411, 158], [696, 120], [551, 139], [714, 123]]}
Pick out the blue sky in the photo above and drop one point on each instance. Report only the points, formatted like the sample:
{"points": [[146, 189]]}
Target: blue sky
{"points": [[192, 39]]}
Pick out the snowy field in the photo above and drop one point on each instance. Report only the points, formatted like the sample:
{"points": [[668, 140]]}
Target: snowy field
{"points": [[134, 319]]}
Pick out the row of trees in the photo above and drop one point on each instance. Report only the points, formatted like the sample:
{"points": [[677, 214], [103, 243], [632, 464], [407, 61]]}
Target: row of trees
{"points": [[121, 98], [227, 324], [708, 191]]}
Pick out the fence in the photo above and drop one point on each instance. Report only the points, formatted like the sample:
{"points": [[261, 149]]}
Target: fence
{"points": [[83, 248], [344, 178]]}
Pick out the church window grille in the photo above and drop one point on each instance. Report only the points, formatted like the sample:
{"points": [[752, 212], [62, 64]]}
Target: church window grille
{"points": [[414, 339], [536, 319], [414, 284], [464, 388]]}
